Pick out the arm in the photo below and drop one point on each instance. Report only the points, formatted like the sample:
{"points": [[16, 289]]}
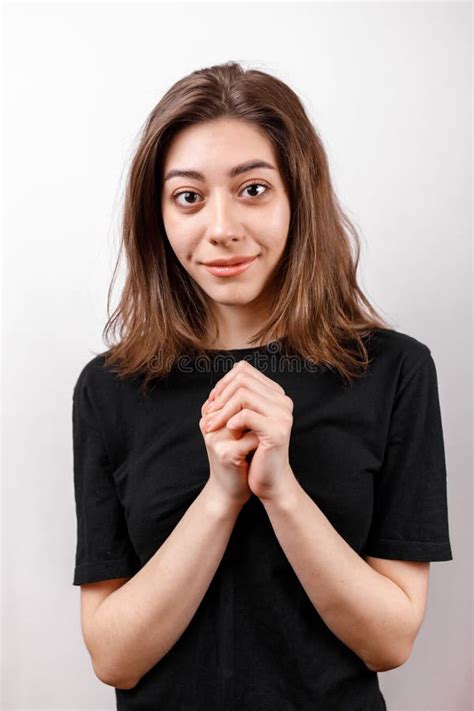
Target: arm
{"points": [[136, 625], [366, 610]]}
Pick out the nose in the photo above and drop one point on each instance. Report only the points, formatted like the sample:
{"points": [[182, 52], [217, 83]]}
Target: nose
{"points": [[222, 219]]}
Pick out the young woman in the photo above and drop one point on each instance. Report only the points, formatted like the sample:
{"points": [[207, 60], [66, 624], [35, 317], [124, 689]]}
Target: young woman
{"points": [[276, 557]]}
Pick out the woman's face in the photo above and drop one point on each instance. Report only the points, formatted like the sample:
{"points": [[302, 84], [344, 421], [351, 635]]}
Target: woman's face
{"points": [[217, 215]]}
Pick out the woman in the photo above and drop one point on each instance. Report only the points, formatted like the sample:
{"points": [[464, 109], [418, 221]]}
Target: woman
{"points": [[278, 556]]}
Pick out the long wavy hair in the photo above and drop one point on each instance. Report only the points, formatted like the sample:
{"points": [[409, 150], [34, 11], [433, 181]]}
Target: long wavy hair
{"points": [[318, 306]]}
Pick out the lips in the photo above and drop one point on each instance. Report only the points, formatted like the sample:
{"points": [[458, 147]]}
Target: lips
{"points": [[230, 270], [229, 262]]}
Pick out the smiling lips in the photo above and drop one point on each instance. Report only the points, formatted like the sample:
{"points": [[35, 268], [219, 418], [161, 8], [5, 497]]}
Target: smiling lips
{"points": [[230, 270]]}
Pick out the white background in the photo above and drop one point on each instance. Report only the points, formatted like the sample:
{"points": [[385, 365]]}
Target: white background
{"points": [[388, 86]]}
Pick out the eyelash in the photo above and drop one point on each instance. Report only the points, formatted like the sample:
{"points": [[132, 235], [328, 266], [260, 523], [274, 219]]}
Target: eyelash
{"points": [[193, 192]]}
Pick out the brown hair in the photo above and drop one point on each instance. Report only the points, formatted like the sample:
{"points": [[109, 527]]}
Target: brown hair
{"points": [[319, 307]]}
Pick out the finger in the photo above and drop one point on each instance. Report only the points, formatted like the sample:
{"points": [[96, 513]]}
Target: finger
{"points": [[262, 426], [248, 443], [235, 433], [243, 366], [259, 402], [247, 380]]}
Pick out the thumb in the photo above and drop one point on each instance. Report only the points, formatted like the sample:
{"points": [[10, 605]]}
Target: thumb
{"points": [[246, 443]]}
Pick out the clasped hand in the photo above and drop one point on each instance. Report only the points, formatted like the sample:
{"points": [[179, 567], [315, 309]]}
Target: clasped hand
{"points": [[245, 399]]}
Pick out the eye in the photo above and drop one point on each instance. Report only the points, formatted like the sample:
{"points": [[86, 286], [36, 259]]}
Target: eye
{"points": [[192, 192], [183, 192], [260, 185]]}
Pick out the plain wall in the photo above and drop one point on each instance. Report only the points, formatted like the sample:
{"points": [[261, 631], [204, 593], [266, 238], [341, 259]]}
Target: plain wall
{"points": [[388, 86]]}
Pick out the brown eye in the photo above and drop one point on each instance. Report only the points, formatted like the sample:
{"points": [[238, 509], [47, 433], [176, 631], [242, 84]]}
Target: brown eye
{"points": [[186, 203], [184, 192], [257, 185]]}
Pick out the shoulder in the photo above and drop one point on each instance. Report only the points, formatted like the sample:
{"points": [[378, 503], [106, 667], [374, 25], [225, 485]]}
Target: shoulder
{"points": [[93, 371], [96, 380], [399, 346], [396, 354]]}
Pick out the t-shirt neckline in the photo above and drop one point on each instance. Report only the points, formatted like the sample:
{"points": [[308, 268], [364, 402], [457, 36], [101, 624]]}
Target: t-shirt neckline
{"points": [[245, 351]]}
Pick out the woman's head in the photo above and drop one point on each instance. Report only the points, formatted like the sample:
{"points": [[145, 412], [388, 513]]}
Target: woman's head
{"points": [[223, 196], [303, 283]]}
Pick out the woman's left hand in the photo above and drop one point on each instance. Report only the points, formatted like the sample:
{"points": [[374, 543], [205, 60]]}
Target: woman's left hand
{"points": [[245, 399]]}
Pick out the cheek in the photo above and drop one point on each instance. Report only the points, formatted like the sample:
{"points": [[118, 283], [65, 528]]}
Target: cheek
{"points": [[183, 253], [180, 238], [275, 223], [276, 235]]}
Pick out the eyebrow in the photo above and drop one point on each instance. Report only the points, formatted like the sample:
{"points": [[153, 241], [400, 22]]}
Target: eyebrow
{"points": [[236, 170]]}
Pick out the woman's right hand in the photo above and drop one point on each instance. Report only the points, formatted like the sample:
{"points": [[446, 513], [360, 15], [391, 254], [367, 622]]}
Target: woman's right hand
{"points": [[228, 467]]}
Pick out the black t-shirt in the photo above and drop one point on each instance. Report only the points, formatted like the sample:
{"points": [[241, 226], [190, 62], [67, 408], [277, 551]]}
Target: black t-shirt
{"points": [[371, 456]]}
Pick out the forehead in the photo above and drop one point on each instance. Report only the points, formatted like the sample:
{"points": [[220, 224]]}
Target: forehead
{"points": [[221, 144]]}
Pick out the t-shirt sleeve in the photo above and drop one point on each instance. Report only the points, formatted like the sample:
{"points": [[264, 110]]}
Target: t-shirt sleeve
{"points": [[410, 514], [103, 548]]}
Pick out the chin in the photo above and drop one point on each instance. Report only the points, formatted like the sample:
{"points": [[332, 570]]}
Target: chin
{"points": [[229, 291]]}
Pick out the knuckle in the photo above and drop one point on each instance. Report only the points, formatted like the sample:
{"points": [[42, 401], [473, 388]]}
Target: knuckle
{"points": [[243, 391], [225, 455], [217, 449]]}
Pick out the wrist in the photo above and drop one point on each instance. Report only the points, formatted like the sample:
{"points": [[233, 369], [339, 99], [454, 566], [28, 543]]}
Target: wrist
{"points": [[220, 505], [284, 494]]}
